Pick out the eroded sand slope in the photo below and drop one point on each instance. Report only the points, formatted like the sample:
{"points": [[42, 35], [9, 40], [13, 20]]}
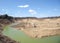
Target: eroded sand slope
{"points": [[39, 27]]}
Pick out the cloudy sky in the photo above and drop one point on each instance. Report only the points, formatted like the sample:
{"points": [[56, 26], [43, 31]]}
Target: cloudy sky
{"points": [[30, 8]]}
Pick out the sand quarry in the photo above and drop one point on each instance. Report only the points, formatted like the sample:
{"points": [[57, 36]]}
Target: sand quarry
{"points": [[39, 27]]}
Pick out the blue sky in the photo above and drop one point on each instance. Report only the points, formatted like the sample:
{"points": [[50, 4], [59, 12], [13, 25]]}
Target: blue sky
{"points": [[30, 8]]}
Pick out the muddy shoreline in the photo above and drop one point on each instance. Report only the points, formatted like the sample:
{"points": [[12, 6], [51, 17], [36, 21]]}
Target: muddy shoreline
{"points": [[4, 21]]}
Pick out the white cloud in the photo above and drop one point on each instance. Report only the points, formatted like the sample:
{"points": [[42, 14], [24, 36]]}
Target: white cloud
{"points": [[49, 11], [32, 11], [3, 9], [23, 6], [55, 9]]}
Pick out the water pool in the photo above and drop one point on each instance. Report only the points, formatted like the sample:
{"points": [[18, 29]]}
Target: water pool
{"points": [[20, 36]]}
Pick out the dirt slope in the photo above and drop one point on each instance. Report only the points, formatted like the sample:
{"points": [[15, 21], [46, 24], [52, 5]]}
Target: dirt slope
{"points": [[39, 27]]}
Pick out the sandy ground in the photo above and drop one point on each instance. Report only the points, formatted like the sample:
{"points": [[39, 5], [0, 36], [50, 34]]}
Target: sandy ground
{"points": [[39, 28]]}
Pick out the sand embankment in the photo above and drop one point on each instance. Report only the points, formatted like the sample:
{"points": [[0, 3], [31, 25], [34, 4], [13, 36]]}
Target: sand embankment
{"points": [[39, 27]]}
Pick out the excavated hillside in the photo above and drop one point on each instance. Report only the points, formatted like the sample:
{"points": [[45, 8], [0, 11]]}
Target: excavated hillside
{"points": [[39, 27]]}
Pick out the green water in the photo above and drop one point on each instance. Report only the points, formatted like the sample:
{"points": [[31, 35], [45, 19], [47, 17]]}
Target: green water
{"points": [[18, 35]]}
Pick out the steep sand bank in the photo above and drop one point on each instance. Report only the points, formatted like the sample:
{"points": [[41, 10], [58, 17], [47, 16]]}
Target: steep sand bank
{"points": [[39, 27]]}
